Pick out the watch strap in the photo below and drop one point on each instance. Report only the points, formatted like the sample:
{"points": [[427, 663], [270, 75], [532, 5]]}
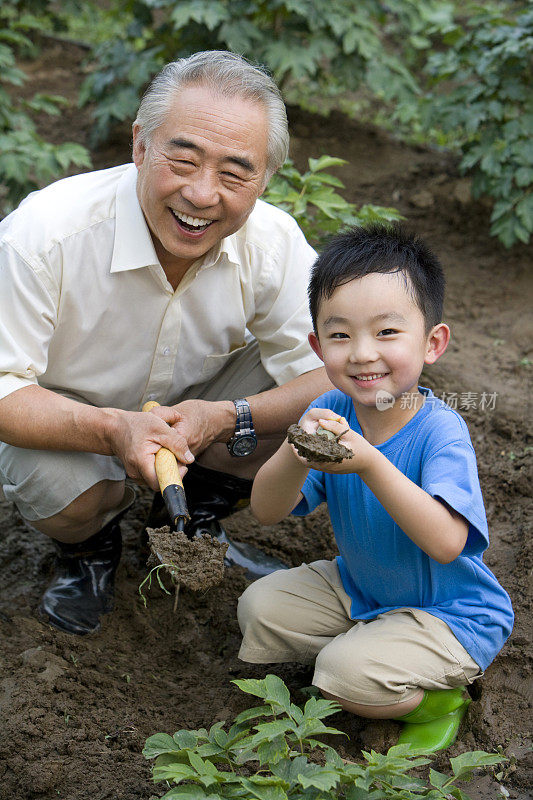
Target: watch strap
{"points": [[244, 423]]}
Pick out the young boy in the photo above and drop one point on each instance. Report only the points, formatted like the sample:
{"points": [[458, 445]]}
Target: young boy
{"points": [[408, 614]]}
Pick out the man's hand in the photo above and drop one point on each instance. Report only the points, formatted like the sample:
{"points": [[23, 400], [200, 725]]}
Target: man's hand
{"points": [[327, 419], [201, 422], [135, 438]]}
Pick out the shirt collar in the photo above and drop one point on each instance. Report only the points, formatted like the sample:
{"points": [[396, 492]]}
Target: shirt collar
{"points": [[133, 246]]}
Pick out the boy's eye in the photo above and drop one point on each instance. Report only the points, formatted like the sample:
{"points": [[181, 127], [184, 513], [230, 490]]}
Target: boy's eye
{"points": [[387, 332], [339, 335]]}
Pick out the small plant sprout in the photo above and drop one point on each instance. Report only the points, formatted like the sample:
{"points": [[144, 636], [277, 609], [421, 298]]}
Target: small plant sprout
{"points": [[271, 752], [173, 570]]}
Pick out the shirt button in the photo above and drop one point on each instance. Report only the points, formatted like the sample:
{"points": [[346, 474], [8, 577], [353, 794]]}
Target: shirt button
{"points": [[166, 351]]}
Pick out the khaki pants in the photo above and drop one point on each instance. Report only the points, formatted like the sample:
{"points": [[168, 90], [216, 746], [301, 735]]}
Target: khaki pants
{"points": [[303, 615], [41, 482]]}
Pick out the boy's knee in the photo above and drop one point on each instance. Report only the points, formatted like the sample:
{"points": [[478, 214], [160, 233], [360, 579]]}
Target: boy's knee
{"points": [[256, 603], [353, 676]]}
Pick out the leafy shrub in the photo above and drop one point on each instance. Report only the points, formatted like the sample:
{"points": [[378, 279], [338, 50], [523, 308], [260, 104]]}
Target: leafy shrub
{"points": [[312, 200], [26, 160], [315, 49], [270, 760], [482, 98]]}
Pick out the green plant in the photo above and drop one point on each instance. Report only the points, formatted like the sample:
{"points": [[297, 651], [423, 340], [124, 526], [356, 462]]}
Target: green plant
{"points": [[172, 569], [317, 50], [280, 758], [312, 200], [26, 160], [480, 97]]}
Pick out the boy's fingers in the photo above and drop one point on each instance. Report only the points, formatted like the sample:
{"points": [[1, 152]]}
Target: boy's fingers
{"points": [[335, 425]]}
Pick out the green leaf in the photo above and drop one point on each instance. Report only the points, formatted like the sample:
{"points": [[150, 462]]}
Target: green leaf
{"points": [[159, 743], [320, 778], [252, 713], [188, 792], [466, 763], [524, 211], [437, 779], [173, 772], [264, 788], [325, 162]]}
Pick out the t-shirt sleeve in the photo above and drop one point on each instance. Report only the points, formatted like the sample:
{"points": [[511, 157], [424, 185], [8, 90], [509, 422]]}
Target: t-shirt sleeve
{"points": [[314, 494], [450, 474]]}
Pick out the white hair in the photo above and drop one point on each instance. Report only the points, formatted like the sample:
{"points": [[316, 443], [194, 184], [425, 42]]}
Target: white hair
{"points": [[228, 74]]}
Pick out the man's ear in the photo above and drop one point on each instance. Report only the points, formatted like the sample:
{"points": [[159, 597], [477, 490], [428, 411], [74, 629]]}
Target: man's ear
{"points": [[139, 147], [315, 344], [437, 342]]}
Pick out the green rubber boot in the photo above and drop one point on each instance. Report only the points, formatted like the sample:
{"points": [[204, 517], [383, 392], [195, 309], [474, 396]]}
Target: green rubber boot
{"points": [[433, 724]]}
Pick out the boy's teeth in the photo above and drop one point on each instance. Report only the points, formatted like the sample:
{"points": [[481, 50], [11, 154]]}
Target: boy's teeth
{"points": [[370, 377], [196, 222]]}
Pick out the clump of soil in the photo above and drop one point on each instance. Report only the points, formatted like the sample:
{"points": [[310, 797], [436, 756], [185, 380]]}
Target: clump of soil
{"points": [[199, 563], [317, 447]]}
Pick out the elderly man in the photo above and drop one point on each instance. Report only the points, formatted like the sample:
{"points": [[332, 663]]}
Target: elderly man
{"points": [[165, 279]]}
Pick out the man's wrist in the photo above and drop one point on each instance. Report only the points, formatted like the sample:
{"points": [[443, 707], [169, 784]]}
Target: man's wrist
{"points": [[226, 419]]}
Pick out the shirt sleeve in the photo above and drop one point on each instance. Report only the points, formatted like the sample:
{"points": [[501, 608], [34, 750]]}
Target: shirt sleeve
{"points": [[282, 320], [27, 320], [450, 474], [314, 493]]}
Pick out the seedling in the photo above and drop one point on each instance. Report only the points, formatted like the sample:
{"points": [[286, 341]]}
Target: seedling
{"points": [[276, 759], [172, 569]]}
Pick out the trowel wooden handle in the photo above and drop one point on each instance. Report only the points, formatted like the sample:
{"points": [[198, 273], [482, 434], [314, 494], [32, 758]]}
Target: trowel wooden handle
{"points": [[166, 465], [170, 482]]}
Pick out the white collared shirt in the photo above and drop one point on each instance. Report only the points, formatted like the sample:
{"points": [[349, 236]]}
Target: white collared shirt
{"points": [[86, 309]]}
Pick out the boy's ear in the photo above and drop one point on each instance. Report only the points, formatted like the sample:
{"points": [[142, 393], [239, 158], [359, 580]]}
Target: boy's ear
{"points": [[315, 344], [437, 342]]}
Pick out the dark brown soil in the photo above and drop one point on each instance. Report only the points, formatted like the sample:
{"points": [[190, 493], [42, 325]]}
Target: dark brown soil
{"points": [[197, 564], [316, 447], [76, 711]]}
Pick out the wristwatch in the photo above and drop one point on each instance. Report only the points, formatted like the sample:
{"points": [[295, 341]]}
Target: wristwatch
{"points": [[244, 441]]}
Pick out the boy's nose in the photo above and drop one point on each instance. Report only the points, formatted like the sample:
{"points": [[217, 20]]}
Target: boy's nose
{"points": [[363, 352]]}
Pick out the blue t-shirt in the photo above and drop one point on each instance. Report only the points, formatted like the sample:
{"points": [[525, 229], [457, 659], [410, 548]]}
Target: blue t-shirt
{"points": [[380, 567]]}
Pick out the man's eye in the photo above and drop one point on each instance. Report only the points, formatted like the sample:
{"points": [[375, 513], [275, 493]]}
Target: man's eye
{"points": [[232, 176]]}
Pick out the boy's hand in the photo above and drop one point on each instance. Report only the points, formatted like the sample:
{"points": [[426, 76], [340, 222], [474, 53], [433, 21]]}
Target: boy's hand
{"points": [[327, 419]]}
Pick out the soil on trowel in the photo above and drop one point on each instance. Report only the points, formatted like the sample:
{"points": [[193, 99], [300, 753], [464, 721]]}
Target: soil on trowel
{"points": [[317, 447], [196, 563]]}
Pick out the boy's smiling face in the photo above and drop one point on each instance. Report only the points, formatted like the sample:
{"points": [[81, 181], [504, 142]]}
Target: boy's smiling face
{"points": [[372, 336]]}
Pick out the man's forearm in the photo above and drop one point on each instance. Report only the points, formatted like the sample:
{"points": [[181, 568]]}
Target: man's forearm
{"points": [[274, 410], [38, 419]]}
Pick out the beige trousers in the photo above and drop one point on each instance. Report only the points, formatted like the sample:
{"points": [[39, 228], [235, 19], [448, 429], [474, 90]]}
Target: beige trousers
{"points": [[42, 483], [303, 615]]}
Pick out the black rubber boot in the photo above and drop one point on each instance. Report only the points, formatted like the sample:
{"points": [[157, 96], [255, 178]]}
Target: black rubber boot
{"points": [[82, 588], [212, 496]]}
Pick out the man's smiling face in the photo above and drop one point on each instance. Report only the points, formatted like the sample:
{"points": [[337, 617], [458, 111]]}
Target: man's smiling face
{"points": [[201, 173]]}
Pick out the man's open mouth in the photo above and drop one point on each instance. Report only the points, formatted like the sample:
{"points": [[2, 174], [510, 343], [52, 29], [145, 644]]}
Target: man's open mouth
{"points": [[193, 224]]}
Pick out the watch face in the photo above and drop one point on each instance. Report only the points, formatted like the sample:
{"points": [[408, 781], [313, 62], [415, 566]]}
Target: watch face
{"points": [[244, 445]]}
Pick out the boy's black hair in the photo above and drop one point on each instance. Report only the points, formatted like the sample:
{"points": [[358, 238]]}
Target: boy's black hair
{"points": [[379, 248]]}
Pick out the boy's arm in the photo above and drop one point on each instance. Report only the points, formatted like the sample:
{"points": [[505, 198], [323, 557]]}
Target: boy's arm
{"points": [[435, 527], [276, 489]]}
